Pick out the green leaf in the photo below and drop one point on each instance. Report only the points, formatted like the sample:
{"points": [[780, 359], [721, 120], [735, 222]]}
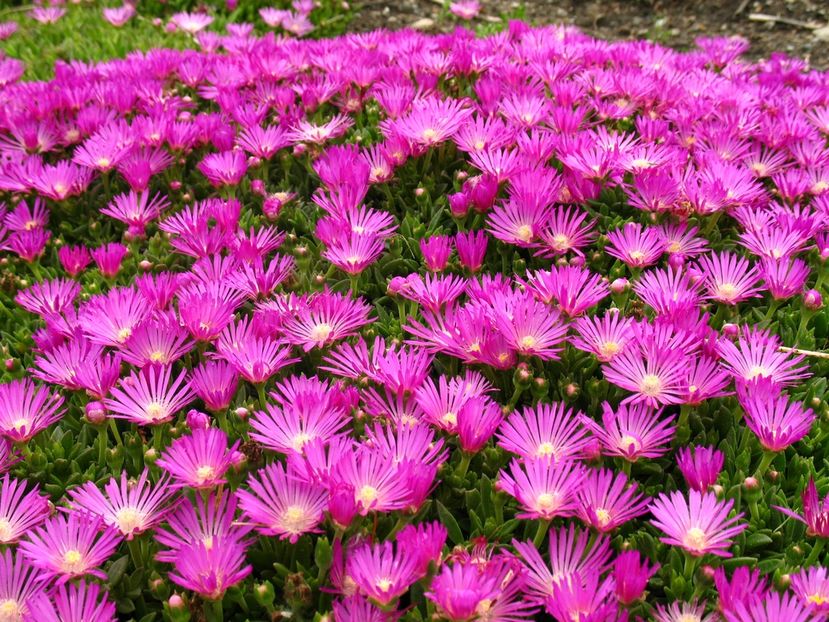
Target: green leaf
{"points": [[116, 571], [452, 527]]}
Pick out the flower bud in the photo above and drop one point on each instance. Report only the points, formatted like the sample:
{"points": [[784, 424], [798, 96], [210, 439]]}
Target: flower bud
{"points": [[197, 420], [619, 285], [751, 483], [96, 413], [730, 330], [175, 185], [10, 364], [420, 191], [241, 412], [257, 186], [145, 265], [812, 300]]}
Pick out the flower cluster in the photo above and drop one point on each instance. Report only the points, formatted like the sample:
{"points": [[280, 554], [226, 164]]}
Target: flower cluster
{"points": [[396, 326]]}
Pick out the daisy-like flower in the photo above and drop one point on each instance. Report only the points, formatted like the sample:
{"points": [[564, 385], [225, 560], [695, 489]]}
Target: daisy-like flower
{"points": [[215, 383], [631, 575], [465, 9], [572, 551], [160, 341], [73, 603], [381, 572], [191, 22], [567, 229], [430, 122], [47, 14], [651, 371], [287, 428], [48, 297], [775, 420], [224, 169], [465, 591], [210, 571], [544, 489], [605, 501], [328, 317], [209, 522], [355, 608], [149, 397], [700, 466], [635, 246], [518, 223], [71, 545], [632, 432], [199, 460], [774, 607], [784, 277], [699, 524], [119, 16], [436, 250], [583, 595], [354, 253], [811, 586], [26, 409], [74, 259], [815, 512], [603, 336], [109, 319], [20, 511], [729, 278], [550, 431], [744, 587], [20, 584], [376, 480], [756, 355], [281, 504], [705, 379], [136, 210], [130, 506], [108, 258], [572, 288], [532, 328], [471, 247], [307, 132], [477, 422], [683, 612]]}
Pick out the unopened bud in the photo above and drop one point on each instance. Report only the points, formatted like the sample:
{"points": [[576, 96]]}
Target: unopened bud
{"points": [[812, 300], [730, 330], [751, 483], [96, 413], [145, 265], [619, 285], [242, 413]]}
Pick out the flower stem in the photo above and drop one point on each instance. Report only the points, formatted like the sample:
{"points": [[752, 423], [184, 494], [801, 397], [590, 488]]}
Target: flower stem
{"points": [[213, 611], [768, 456], [260, 390], [690, 567], [102, 445], [463, 465], [773, 305], [540, 532], [817, 549]]}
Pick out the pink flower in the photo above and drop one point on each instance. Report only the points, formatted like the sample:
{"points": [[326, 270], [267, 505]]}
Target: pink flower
{"points": [[544, 489], [199, 460], [699, 524], [381, 571]]}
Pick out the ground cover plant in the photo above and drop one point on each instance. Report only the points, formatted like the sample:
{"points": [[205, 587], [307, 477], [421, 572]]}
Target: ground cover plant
{"points": [[525, 326]]}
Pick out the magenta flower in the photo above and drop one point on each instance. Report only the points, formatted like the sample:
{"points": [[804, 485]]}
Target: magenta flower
{"points": [[729, 278], [130, 506], [71, 545], [354, 253], [74, 259], [149, 397], [477, 422], [773, 607], [382, 572], [26, 409], [744, 587], [119, 16], [784, 277], [572, 552], [583, 595], [544, 489], [215, 383], [289, 427], [571, 288], [108, 258], [355, 608], [210, 570], [136, 210], [199, 460], [631, 432], [327, 318], [160, 341], [471, 248], [73, 603], [431, 121], [635, 246], [678, 612], [605, 501], [815, 512], [191, 23], [377, 481], [436, 250], [699, 524], [603, 336], [631, 575], [775, 420], [424, 542], [109, 319], [700, 466], [210, 522], [48, 297], [460, 591], [550, 431], [20, 511], [20, 585], [811, 586], [651, 371], [532, 328], [224, 169], [281, 504], [756, 355]]}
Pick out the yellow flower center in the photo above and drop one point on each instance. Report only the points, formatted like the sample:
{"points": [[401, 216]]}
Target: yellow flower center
{"points": [[609, 348], [561, 241], [817, 599], [528, 341], [156, 411], [21, 423], [727, 291], [651, 385], [429, 134], [367, 495], [158, 357], [294, 519], [205, 473], [383, 584], [602, 517], [757, 370], [545, 449], [124, 334], [6, 530], [546, 501], [524, 233], [103, 162], [628, 442], [321, 332], [449, 418], [695, 539], [72, 562], [10, 611], [637, 255], [299, 441], [129, 520]]}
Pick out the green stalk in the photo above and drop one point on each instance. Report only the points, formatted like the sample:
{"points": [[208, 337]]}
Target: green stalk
{"points": [[817, 549], [768, 456], [463, 465], [773, 306], [102, 444], [260, 390], [213, 610], [540, 532]]}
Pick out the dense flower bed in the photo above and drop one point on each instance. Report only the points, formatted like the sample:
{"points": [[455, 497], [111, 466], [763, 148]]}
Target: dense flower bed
{"points": [[397, 326]]}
